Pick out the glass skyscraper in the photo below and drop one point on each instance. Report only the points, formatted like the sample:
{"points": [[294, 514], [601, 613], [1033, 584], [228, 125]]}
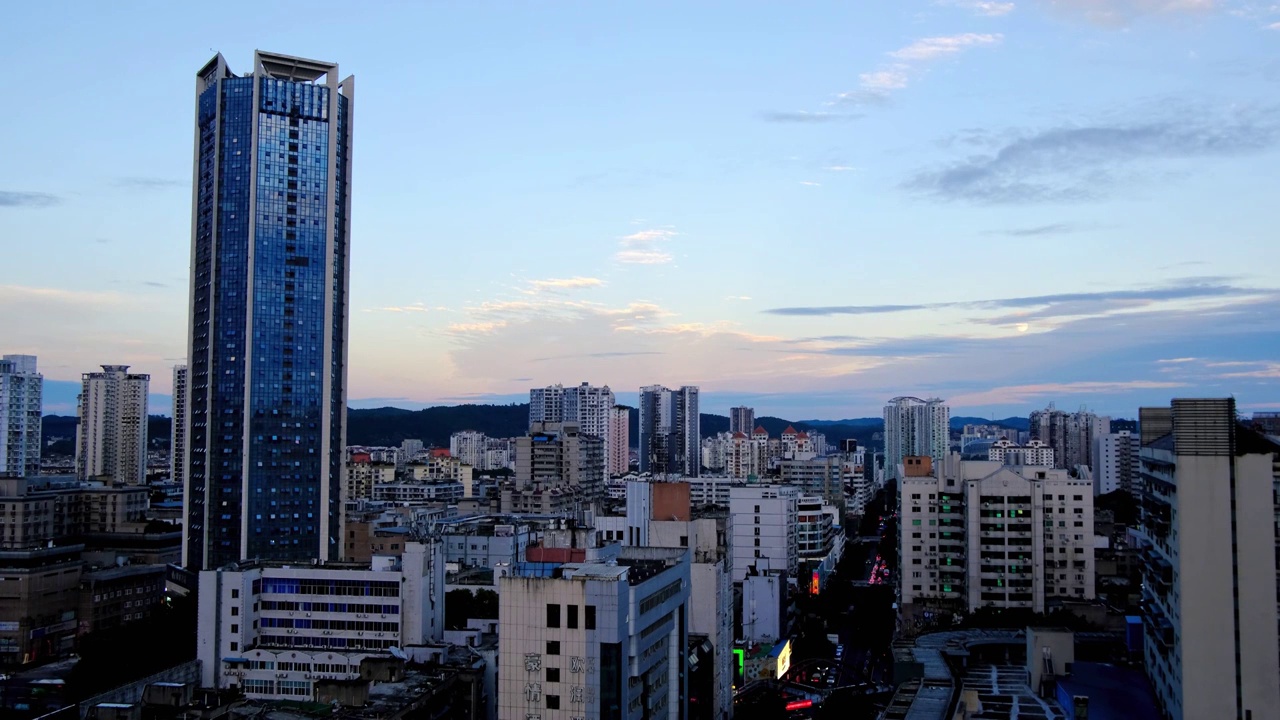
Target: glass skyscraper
{"points": [[268, 335]]}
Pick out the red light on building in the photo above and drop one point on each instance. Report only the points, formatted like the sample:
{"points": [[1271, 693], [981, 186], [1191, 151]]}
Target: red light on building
{"points": [[813, 584], [799, 705]]}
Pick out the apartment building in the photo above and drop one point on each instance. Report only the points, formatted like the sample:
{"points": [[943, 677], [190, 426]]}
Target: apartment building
{"points": [[603, 639], [1008, 452], [111, 439], [985, 534], [1208, 491], [363, 474], [1116, 463], [21, 391], [765, 529], [915, 428], [619, 460], [282, 632]]}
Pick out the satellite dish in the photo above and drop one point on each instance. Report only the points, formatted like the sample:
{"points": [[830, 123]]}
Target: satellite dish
{"points": [[397, 652]]}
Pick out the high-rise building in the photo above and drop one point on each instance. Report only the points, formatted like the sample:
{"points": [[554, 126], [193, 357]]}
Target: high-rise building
{"points": [[111, 438], [270, 248], [21, 389], [983, 533], [670, 434], [915, 428], [588, 407], [765, 529], [559, 470], [1208, 528], [742, 419], [1033, 453], [469, 447], [619, 440], [1115, 463], [178, 427], [1071, 436]]}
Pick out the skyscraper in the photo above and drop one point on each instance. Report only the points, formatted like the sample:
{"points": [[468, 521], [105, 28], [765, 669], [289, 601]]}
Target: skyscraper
{"points": [[916, 428], [111, 439], [1208, 533], [742, 420], [269, 310], [585, 405], [178, 427], [670, 434], [619, 459], [1072, 436], [21, 390]]}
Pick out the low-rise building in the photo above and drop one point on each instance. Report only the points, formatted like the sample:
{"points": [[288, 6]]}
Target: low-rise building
{"points": [[115, 596], [765, 529]]}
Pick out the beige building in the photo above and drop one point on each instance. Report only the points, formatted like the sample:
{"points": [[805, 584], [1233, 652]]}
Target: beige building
{"points": [[979, 534], [362, 474], [558, 470], [36, 510], [111, 439], [1208, 489]]}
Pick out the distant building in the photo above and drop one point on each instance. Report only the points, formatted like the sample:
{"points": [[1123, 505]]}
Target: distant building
{"points": [[1010, 453], [363, 474], [915, 428], [600, 639], [1116, 463], [277, 632], [587, 406], [21, 390], [559, 470], [1071, 436], [619, 440], [469, 447], [742, 419], [178, 428], [111, 438], [670, 432], [1208, 531]]}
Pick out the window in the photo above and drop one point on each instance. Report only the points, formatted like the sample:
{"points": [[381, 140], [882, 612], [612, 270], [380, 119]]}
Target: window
{"points": [[235, 647], [757, 509], [553, 615], [553, 647], [553, 674], [553, 702], [572, 623], [235, 593], [590, 620], [684, 541], [235, 629], [235, 610]]}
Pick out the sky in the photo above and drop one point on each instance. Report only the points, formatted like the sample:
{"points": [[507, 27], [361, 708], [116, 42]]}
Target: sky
{"points": [[806, 207]]}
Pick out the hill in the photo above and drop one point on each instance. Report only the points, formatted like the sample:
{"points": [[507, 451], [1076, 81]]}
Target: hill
{"points": [[59, 433]]}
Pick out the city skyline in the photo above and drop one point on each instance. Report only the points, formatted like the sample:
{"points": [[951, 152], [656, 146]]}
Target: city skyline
{"points": [[1000, 204]]}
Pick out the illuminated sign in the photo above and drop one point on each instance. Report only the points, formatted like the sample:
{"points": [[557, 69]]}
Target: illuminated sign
{"points": [[784, 659], [799, 705], [739, 656], [813, 586]]}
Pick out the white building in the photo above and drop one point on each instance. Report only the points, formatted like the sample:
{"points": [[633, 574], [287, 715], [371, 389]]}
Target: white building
{"points": [[619, 449], [984, 534], [915, 428], [280, 632], [413, 492], [111, 439], [711, 489], [1116, 465], [179, 425], [469, 446], [603, 639], [764, 607], [1209, 519], [21, 391], [410, 450], [588, 407], [765, 529], [1008, 452]]}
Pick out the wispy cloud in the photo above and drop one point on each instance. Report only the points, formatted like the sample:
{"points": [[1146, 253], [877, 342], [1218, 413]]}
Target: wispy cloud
{"points": [[738, 297], [989, 8], [148, 183], [1019, 394], [810, 183], [155, 284], [642, 248], [559, 284], [801, 116], [838, 168], [418, 307], [14, 198], [1081, 162], [1117, 13], [1060, 228], [1061, 303], [907, 62]]}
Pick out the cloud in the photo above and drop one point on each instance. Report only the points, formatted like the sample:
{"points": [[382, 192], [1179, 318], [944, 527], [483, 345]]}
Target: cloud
{"points": [[1059, 304], [1061, 228], [418, 307], [1116, 13], [862, 96], [1080, 162], [149, 183], [1274, 26], [810, 183], [838, 168], [640, 248], [153, 283], [988, 8], [1175, 361], [1271, 371], [1021, 394], [801, 116], [573, 283], [738, 297], [14, 198], [906, 62]]}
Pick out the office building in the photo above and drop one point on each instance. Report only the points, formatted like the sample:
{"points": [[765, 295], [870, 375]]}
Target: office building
{"points": [[600, 639], [178, 428], [1071, 436], [21, 389], [1010, 453], [111, 438], [619, 440], [1208, 530], [280, 632], [915, 428], [670, 434], [977, 533], [267, 344], [766, 529], [742, 420], [1116, 466]]}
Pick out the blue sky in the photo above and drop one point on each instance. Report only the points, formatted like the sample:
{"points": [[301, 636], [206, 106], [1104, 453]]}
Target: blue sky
{"points": [[810, 207]]}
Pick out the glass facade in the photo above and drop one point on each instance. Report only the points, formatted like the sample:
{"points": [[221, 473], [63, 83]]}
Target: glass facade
{"points": [[269, 304]]}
